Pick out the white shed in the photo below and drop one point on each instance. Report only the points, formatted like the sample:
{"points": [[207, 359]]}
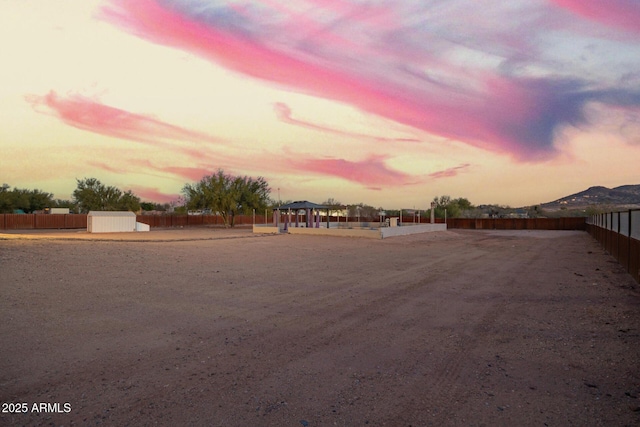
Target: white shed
{"points": [[110, 222]]}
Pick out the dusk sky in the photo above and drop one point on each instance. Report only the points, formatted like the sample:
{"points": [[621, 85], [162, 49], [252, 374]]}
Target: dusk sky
{"points": [[386, 102]]}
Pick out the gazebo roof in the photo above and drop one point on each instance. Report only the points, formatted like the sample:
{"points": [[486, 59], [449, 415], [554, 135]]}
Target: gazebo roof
{"points": [[303, 204]]}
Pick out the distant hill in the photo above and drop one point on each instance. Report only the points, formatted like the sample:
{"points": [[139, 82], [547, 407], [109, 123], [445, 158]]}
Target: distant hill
{"points": [[623, 197]]}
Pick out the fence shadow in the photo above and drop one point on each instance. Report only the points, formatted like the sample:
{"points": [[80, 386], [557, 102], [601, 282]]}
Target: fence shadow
{"points": [[619, 234]]}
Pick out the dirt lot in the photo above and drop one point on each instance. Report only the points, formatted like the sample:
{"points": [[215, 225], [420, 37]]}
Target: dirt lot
{"points": [[223, 328]]}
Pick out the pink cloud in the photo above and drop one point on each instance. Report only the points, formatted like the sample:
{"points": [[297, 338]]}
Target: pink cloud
{"points": [[106, 167], [205, 164], [154, 195], [450, 172], [149, 20], [284, 114], [93, 116], [149, 167], [190, 173], [305, 26], [373, 172], [451, 115], [622, 14], [487, 108]]}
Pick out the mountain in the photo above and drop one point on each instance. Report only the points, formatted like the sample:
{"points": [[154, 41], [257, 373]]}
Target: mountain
{"points": [[623, 197]]}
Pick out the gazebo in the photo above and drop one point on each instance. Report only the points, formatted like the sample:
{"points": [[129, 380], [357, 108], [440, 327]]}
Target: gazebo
{"points": [[312, 214]]}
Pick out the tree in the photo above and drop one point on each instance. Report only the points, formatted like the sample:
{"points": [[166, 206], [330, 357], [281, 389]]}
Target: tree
{"points": [[454, 207], [148, 206], [62, 203], [6, 204], [333, 205], [128, 201], [23, 199], [364, 212], [227, 195], [38, 200], [92, 195]]}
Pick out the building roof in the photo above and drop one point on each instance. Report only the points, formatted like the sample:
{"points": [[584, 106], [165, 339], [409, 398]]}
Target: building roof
{"points": [[111, 213], [303, 204]]}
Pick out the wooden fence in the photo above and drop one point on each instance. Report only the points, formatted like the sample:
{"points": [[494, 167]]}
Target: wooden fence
{"points": [[70, 221], [570, 223], [41, 221], [60, 221], [619, 234]]}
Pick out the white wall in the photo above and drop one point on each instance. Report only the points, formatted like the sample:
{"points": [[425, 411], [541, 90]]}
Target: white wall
{"points": [[411, 229], [111, 222]]}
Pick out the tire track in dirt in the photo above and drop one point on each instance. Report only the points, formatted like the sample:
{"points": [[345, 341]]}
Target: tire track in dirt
{"points": [[379, 308], [332, 331], [447, 387]]}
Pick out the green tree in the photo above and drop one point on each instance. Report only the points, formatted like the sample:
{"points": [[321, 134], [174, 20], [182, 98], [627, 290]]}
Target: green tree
{"points": [[227, 195], [455, 208], [365, 212], [536, 212], [6, 199], [38, 200], [128, 201], [88, 195], [23, 199], [463, 204], [61, 203], [92, 195], [333, 205]]}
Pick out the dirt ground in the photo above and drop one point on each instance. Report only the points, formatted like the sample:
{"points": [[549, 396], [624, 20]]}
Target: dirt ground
{"points": [[224, 328]]}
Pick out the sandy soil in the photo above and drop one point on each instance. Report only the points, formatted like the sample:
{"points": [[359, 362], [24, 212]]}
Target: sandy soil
{"points": [[223, 328]]}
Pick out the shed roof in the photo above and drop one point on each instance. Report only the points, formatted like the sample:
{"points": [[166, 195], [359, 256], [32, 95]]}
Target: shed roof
{"points": [[302, 204], [111, 213]]}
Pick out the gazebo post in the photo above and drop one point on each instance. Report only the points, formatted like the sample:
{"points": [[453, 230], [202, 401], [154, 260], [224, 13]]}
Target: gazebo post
{"points": [[306, 218]]}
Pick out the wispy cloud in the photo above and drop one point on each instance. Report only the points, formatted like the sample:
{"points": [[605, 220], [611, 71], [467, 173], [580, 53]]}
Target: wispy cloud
{"points": [[107, 167], [372, 173], [148, 167], [620, 14], [411, 68], [450, 172], [284, 114], [154, 194], [93, 116], [190, 173]]}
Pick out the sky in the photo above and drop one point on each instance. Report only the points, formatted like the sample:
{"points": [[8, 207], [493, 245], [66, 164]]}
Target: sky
{"points": [[385, 102]]}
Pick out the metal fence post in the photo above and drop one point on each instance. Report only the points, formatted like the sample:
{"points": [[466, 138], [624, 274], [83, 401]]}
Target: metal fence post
{"points": [[629, 243]]}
